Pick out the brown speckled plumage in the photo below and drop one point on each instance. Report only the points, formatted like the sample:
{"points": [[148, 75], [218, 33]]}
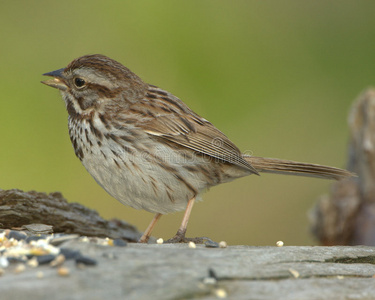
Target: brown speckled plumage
{"points": [[146, 147]]}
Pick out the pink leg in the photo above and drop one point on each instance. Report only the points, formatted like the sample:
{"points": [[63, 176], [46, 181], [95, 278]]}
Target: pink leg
{"points": [[182, 230], [146, 235], [180, 235]]}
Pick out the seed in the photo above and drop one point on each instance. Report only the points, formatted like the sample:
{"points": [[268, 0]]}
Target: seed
{"points": [[294, 273], [223, 244], [85, 260], [33, 262], [19, 268], [45, 259], [58, 261], [63, 271], [17, 235], [192, 245], [221, 293], [70, 253]]}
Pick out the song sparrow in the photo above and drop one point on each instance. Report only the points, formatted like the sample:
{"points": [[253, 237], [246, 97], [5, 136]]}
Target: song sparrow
{"points": [[146, 147]]}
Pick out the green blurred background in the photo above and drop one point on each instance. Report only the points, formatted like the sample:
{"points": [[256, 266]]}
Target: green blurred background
{"points": [[278, 77]]}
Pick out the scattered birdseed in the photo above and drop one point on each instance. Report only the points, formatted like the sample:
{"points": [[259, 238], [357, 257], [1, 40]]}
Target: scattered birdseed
{"points": [[20, 259], [4, 262], [2, 271], [223, 244], [63, 271], [33, 262], [211, 244], [45, 259], [59, 239], [221, 293], [17, 235], [279, 243], [22, 251], [119, 243], [39, 274], [52, 249], [294, 273], [12, 242], [58, 261], [35, 238], [102, 242], [159, 241], [85, 260], [192, 245], [19, 268], [2, 236], [84, 239], [70, 253], [38, 251]]}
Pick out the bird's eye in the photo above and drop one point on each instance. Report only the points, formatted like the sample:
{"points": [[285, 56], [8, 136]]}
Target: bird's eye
{"points": [[79, 82]]}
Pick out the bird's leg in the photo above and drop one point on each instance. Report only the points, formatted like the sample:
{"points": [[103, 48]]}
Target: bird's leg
{"points": [[146, 235], [182, 230], [180, 235]]}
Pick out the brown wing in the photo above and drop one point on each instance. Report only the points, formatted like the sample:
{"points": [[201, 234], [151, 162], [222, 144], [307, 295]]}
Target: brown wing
{"points": [[172, 120]]}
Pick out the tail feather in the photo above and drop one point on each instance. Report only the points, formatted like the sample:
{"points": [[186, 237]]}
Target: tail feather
{"points": [[288, 167]]}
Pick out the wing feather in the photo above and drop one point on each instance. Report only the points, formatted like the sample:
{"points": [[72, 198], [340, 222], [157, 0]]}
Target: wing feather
{"points": [[180, 125]]}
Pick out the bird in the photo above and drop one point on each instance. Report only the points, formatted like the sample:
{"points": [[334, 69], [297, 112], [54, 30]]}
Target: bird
{"points": [[147, 148]]}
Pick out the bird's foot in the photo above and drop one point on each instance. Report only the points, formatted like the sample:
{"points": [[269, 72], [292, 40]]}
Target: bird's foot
{"points": [[179, 238]]}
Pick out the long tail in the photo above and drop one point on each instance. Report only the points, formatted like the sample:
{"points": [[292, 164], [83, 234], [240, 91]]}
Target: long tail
{"points": [[288, 167]]}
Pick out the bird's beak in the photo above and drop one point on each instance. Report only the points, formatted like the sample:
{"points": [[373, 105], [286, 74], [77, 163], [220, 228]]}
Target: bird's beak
{"points": [[57, 81]]}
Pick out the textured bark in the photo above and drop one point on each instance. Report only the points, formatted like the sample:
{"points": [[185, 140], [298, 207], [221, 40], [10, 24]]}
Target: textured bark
{"points": [[347, 215], [141, 271], [18, 208]]}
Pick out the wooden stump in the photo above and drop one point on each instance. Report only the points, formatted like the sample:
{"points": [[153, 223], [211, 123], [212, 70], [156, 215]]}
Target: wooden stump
{"points": [[175, 271], [347, 215]]}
